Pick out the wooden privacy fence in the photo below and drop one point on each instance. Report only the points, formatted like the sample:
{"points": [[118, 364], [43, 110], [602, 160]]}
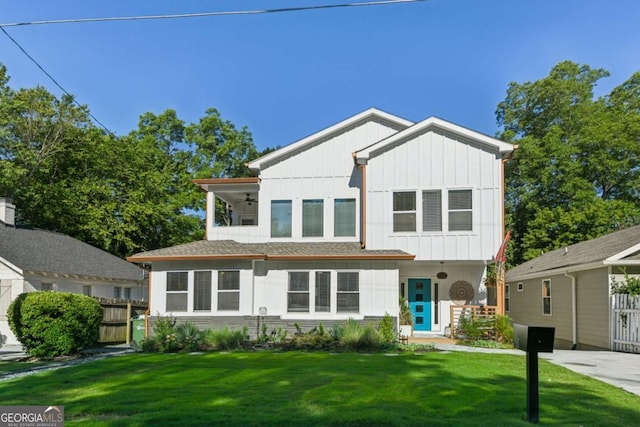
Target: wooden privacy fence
{"points": [[626, 323], [116, 319], [475, 312]]}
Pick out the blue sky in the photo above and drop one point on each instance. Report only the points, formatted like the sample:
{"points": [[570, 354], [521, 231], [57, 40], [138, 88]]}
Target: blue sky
{"points": [[288, 75]]}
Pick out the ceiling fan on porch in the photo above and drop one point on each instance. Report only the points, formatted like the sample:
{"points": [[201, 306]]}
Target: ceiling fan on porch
{"points": [[249, 200]]}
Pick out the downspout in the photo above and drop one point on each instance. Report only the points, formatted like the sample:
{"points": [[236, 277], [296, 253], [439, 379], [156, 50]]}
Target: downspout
{"points": [[574, 312], [500, 283]]}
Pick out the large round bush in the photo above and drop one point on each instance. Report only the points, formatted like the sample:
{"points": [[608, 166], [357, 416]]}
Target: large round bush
{"points": [[50, 324]]}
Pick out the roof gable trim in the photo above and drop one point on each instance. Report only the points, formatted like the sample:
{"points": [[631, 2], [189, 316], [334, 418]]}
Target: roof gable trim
{"points": [[432, 122], [371, 113], [11, 266], [625, 253]]}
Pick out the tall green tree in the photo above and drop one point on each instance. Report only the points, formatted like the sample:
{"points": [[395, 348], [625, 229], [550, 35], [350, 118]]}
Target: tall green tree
{"points": [[575, 173], [121, 193]]}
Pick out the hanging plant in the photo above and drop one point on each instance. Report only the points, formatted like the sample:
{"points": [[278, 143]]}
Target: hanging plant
{"points": [[491, 279]]}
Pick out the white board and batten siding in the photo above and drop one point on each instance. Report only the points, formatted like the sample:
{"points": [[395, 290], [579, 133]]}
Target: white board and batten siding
{"points": [[268, 288], [436, 161], [323, 171]]}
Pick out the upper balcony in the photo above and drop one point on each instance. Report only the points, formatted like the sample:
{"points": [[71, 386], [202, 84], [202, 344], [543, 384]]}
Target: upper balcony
{"points": [[232, 209]]}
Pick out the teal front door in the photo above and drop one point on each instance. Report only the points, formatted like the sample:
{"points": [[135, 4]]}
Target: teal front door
{"points": [[420, 303]]}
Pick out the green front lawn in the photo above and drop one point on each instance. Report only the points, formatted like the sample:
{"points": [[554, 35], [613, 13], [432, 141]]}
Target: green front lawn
{"points": [[293, 388]]}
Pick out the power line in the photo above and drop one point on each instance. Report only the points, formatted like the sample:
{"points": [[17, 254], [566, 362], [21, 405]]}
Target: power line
{"points": [[94, 118], [203, 14]]}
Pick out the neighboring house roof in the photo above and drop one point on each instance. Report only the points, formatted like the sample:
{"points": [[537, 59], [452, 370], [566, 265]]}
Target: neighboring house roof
{"points": [[618, 248], [372, 114], [229, 249], [434, 123], [45, 252]]}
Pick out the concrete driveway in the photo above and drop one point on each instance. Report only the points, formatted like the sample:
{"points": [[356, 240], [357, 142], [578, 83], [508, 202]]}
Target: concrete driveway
{"points": [[619, 369]]}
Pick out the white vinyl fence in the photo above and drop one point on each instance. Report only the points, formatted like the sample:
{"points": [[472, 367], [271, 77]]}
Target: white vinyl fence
{"points": [[626, 323]]}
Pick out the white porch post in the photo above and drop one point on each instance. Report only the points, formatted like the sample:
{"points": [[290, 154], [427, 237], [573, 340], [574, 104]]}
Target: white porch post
{"points": [[211, 212]]}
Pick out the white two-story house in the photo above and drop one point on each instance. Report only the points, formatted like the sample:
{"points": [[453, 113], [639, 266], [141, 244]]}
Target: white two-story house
{"points": [[339, 225]]}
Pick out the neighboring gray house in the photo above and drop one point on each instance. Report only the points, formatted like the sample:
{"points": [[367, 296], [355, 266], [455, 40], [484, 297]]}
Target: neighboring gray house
{"points": [[570, 289], [34, 260]]}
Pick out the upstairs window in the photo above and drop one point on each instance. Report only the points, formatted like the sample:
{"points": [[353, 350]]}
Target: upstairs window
{"points": [[432, 210], [312, 218], [460, 210], [47, 287], [281, 218], [344, 217], [404, 211], [117, 292]]}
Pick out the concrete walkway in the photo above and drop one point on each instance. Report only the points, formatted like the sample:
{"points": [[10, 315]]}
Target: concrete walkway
{"points": [[621, 370], [12, 352], [618, 369]]}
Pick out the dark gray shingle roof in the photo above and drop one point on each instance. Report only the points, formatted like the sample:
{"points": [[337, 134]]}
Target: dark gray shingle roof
{"points": [[48, 252], [587, 252], [230, 248]]}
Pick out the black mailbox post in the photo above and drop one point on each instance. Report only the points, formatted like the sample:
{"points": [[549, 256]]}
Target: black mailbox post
{"points": [[533, 340]]}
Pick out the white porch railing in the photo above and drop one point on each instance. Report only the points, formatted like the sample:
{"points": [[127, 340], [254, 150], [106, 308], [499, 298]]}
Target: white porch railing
{"points": [[470, 311], [239, 233]]}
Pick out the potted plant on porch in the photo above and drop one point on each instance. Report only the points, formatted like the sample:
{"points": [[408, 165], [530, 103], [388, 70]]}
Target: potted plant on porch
{"points": [[406, 319]]}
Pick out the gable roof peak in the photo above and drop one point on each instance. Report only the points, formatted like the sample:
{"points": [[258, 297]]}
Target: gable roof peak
{"points": [[370, 114], [433, 122]]}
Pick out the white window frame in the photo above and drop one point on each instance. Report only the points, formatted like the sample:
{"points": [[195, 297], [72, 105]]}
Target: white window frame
{"points": [[288, 228], [547, 297], [461, 210], [308, 208], [179, 292], [425, 210], [86, 290], [316, 284], [46, 286], [520, 286], [347, 292], [399, 212], [126, 293], [306, 292], [507, 297], [198, 300], [226, 292], [342, 207], [117, 292]]}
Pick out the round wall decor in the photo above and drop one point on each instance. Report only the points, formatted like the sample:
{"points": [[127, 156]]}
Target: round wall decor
{"points": [[461, 292]]}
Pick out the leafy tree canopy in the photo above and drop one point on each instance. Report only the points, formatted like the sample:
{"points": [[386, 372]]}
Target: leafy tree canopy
{"points": [[576, 172], [121, 193]]}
